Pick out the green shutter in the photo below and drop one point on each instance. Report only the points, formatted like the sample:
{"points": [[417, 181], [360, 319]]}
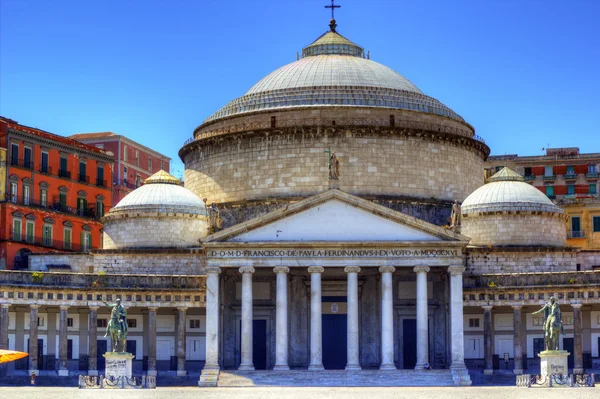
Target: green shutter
{"points": [[16, 230], [82, 242], [30, 231]]}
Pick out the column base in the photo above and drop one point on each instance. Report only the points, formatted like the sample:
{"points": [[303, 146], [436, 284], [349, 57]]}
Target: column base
{"points": [[353, 367], [62, 373], [458, 366], [420, 366], [93, 373], [517, 371], [578, 371], [488, 372], [152, 373], [389, 366], [281, 367], [316, 367], [181, 373], [246, 367], [36, 372]]}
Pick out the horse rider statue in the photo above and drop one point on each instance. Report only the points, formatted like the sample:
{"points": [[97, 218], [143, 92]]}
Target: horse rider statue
{"points": [[117, 326], [553, 325]]}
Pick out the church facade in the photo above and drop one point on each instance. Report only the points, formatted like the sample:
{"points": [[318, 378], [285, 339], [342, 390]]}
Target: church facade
{"points": [[349, 229]]}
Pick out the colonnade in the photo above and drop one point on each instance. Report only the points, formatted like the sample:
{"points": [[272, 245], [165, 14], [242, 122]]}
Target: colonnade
{"points": [[316, 352]]}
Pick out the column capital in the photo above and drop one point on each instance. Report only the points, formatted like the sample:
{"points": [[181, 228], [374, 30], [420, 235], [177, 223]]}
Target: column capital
{"points": [[94, 308], [281, 269], [64, 307], [456, 270], [152, 308], [487, 308], [182, 308], [576, 305], [352, 269], [517, 307], [4, 305], [34, 306], [315, 269], [421, 269], [387, 269], [212, 270], [247, 269]]}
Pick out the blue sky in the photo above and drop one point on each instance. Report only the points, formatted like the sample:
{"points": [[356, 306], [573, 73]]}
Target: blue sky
{"points": [[524, 73]]}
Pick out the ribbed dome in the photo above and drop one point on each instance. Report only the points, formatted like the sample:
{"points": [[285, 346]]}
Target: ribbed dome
{"points": [[161, 193], [507, 191], [333, 71]]}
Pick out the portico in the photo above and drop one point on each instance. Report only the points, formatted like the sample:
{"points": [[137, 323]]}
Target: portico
{"points": [[317, 276]]}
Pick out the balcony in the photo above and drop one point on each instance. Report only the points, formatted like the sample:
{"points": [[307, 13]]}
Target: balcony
{"points": [[576, 234], [592, 176], [570, 177], [126, 184], [47, 242], [21, 163], [46, 170], [64, 173], [529, 178], [549, 178], [84, 179], [56, 206], [101, 183]]}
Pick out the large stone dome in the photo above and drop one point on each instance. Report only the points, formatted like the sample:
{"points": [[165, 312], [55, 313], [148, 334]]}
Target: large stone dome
{"points": [[507, 211], [333, 71], [159, 214]]}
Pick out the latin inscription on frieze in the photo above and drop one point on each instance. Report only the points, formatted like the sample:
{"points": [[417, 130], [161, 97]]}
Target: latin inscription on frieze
{"points": [[335, 253]]}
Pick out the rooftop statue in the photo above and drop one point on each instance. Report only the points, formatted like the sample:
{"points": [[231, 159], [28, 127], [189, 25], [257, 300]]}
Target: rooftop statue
{"points": [[553, 325], [117, 326]]}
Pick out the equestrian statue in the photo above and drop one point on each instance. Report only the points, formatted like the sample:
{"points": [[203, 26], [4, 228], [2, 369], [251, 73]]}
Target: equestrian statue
{"points": [[117, 326], [553, 325]]}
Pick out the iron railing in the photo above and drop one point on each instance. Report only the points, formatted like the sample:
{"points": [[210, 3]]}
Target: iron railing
{"points": [[64, 173], [576, 234], [20, 162], [101, 182], [56, 206], [84, 179], [127, 184], [47, 242]]}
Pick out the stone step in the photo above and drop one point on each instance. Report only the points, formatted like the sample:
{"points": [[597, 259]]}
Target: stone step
{"points": [[336, 378]]}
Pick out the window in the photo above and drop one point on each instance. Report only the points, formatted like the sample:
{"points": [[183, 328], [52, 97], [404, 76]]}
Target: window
{"points": [[47, 235], [575, 226], [100, 176], [44, 198], [150, 164], [593, 189], [14, 191], [596, 224], [82, 172], [125, 155], [26, 195], [81, 206], [17, 225], [131, 323], [27, 158], [548, 171], [63, 168], [102, 323], [474, 323], [125, 174], [162, 164], [195, 323], [137, 158], [63, 200], [99, 209], [67, 237], [86, 241], [138, 181], [528, 172], [570, 170], [69, 349], [570, 189], [41, 321], [14, 154], [550, 191], [538, 321], [30, 231], [69, 322], [44, 165], [592, 169]]}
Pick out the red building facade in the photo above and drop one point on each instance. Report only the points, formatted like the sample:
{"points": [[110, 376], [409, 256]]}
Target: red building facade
{"points": [[55, 192], [134, 162]]}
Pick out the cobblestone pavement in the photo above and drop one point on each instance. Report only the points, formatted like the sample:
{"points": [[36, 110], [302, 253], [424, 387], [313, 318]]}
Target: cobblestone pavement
{"points": [[303, 393]]}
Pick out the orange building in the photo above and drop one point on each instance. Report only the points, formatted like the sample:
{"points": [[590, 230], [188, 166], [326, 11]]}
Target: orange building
{"points": [[134, 162], [55, 191]]}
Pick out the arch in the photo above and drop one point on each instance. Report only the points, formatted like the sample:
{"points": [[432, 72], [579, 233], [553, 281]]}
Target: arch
{"points": [[44, 185], [100, 197], [82, 193], [63, 189], [22, 259]]}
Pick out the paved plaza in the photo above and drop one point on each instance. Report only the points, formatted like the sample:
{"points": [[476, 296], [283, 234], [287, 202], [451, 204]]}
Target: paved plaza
{"points": [[304, 393]]}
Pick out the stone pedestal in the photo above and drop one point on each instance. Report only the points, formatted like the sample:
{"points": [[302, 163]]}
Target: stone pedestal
{"points": [[118, 364], [554, 362]]}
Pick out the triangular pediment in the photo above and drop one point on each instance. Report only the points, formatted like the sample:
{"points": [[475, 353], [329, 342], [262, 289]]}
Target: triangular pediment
{"points": [[334, 216]]}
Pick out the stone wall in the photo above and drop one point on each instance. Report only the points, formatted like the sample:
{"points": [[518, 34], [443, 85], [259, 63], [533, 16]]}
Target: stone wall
{"points": [[156, 231], [293, 162], [79, 263], [149, 263], [516, 229], [589, 259], [519, 260]]}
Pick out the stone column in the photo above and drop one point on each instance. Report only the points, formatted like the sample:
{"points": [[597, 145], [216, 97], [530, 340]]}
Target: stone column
{"points": [[488, 368], [63, 370], [93, 338], [456, 318], [387, 318], [3, 333], [422, 318], [33, 339], [281, 328], [212, 319], [152, 341], [352, 343], [316, 352], [181, 311], [517, 341], [577, 339], [247, 319]]}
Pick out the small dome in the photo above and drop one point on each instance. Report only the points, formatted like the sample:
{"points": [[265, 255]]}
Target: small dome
{"points": [[507, 191], [162, 193]]}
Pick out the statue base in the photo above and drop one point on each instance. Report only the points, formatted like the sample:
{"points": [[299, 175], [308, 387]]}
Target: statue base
{"points": [[554, 362], [118, 364]]}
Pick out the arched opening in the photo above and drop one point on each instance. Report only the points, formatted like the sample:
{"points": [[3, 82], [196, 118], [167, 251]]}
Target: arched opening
{"points": [[22, 259]]}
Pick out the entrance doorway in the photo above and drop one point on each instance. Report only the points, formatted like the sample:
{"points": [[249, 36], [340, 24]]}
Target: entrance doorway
{"points": [[101, 349], [409, 339], [335, 349], [569, 346], [259, 344], [40, 354]]}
